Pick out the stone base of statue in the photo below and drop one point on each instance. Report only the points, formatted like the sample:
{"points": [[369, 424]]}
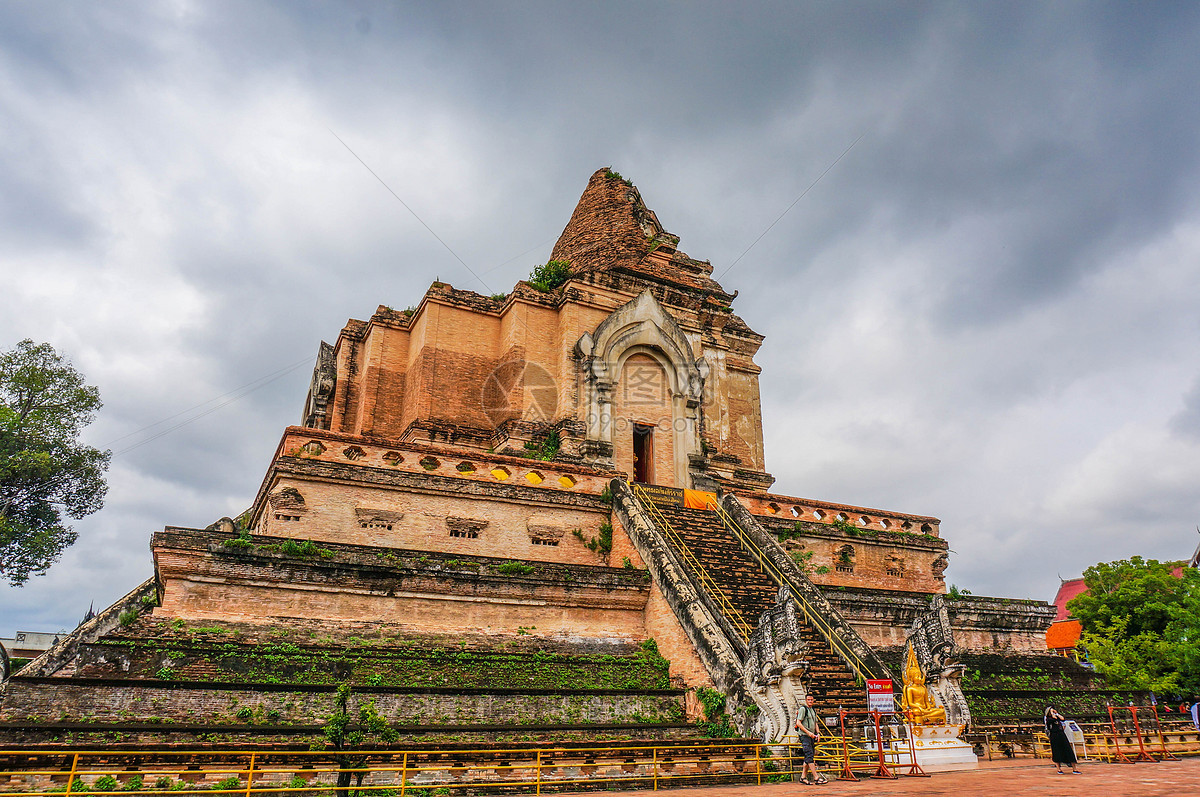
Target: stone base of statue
{"points": [[938, 748]]}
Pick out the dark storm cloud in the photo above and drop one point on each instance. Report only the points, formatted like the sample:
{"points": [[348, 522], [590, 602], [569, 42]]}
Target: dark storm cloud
{"points": [[983, 312]]}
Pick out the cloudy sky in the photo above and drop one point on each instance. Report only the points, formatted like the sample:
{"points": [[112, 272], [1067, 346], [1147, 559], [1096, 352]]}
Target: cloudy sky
{"points": [[985, 311]]}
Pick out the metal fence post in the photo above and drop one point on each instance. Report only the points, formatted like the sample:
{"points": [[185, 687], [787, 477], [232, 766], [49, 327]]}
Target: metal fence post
{"points": [[404, 774], [539, 772], [250, 775], [71, 777], [654, 767]]}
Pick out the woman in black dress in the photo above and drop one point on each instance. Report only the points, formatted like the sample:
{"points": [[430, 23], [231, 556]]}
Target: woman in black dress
{"points": [[1060, 746]]}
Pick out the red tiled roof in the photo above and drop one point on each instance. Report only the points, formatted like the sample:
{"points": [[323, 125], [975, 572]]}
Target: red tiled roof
{"points": [[1067, 590]]}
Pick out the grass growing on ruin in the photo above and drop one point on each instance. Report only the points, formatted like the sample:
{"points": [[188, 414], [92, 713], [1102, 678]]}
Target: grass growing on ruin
{"points": [[303, 549], [716, 723], [514, 568], [602, 544], [403, 665], [549, 275], [803, 560], [609, 174], [545, 449]]}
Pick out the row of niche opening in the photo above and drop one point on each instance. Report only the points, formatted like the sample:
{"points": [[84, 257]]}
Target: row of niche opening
{"points": [[430, 462], [842, 517]]}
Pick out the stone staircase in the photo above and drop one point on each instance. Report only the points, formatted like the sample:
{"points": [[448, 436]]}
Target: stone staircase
{"points": [[751, 591]]}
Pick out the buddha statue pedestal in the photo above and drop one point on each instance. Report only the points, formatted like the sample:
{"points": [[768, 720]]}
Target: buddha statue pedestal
{"points": [[938, 748]]}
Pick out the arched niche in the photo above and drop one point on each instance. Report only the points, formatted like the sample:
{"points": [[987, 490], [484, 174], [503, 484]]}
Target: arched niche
{"points": [[643, 327]]}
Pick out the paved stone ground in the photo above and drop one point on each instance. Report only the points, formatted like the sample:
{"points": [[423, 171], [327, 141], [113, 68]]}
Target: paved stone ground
{"points": [[998, 779]]}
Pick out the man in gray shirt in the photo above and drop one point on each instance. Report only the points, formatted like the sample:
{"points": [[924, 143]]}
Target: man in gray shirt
{"points": [[808, 728]]}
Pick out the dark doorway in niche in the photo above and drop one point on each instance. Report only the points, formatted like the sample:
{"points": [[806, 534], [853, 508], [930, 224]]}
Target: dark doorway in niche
{"points": [[643, 453]]}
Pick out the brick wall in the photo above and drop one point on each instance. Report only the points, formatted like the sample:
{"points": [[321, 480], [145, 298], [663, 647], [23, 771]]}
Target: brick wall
{"points": [[509, 526], [112, 701], [202, 579]]}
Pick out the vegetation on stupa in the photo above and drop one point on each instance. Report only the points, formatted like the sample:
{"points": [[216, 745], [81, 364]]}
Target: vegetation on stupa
{"points": [[550, 275]]}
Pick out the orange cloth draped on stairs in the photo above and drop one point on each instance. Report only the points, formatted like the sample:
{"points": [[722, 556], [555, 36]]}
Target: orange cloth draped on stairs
{"points": [[698, 499]]}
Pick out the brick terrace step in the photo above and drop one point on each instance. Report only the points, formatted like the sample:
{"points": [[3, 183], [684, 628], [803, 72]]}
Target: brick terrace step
{"points": [[753, 592]]}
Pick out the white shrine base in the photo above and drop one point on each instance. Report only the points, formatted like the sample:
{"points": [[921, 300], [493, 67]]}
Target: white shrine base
{"points": [[938, 748]]}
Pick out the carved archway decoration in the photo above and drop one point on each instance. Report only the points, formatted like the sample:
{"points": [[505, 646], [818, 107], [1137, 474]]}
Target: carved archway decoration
{"points": [[641, 326]]}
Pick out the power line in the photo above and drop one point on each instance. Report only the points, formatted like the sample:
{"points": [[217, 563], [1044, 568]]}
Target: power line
{"points": [[262, 382], [789, 207], [285, 369], [410, 210], [522, 254]]}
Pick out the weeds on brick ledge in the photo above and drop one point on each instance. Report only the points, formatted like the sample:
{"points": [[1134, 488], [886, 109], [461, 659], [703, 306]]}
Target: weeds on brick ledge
{"points": [[549, 275], [304, 549], [546, 449], [514, 568]]}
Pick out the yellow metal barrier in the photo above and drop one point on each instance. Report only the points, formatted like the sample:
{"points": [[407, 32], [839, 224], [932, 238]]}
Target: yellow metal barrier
{"points": [[731, 612], [394, 773]]}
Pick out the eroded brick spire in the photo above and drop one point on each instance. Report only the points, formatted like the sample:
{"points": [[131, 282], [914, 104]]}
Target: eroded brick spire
{"points": [[610, 226], [612, 229]]}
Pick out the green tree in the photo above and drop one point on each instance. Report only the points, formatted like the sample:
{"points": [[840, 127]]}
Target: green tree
{"points": [[1141, 624], [45, 472], [343, 736]]}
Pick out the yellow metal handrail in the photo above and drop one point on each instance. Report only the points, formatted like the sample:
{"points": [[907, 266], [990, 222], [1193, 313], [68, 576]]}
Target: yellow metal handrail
{"points": [[279, 772], [735, 617], [417, 771], [852, 660]]}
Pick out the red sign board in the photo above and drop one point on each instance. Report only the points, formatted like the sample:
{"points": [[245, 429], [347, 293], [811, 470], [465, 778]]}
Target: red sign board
{"points": [[879, 695]]}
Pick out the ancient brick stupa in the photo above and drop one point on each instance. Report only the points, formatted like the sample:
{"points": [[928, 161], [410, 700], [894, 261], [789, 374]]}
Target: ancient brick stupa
{"points": [[551, 505]]}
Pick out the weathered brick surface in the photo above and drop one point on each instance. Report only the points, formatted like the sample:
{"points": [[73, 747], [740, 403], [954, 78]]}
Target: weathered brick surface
{"points": [[204, 579], [872, 549], [980, 623], [643, 398], [36, 700], [418, 521], [438, 363]]}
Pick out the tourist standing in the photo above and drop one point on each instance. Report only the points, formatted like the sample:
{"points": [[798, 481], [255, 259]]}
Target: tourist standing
{"points": [[1061, 750], [806, 726]]}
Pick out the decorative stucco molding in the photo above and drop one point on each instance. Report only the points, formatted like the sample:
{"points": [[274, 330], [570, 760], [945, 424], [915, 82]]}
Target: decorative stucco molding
{"points": [[641, 326], [932, 639], [775, 671]]}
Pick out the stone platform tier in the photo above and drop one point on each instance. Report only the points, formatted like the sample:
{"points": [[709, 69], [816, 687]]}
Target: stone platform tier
{"points": [[1009, 688], [751, 592], [194, 682]]}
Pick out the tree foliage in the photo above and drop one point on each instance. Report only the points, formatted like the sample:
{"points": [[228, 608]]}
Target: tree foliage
{"points": [[344, 735], [1141, 624], [45, 473]]}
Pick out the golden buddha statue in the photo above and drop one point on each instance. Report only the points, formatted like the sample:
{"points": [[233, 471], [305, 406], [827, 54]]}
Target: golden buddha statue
{"points": [[919, 706]]}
